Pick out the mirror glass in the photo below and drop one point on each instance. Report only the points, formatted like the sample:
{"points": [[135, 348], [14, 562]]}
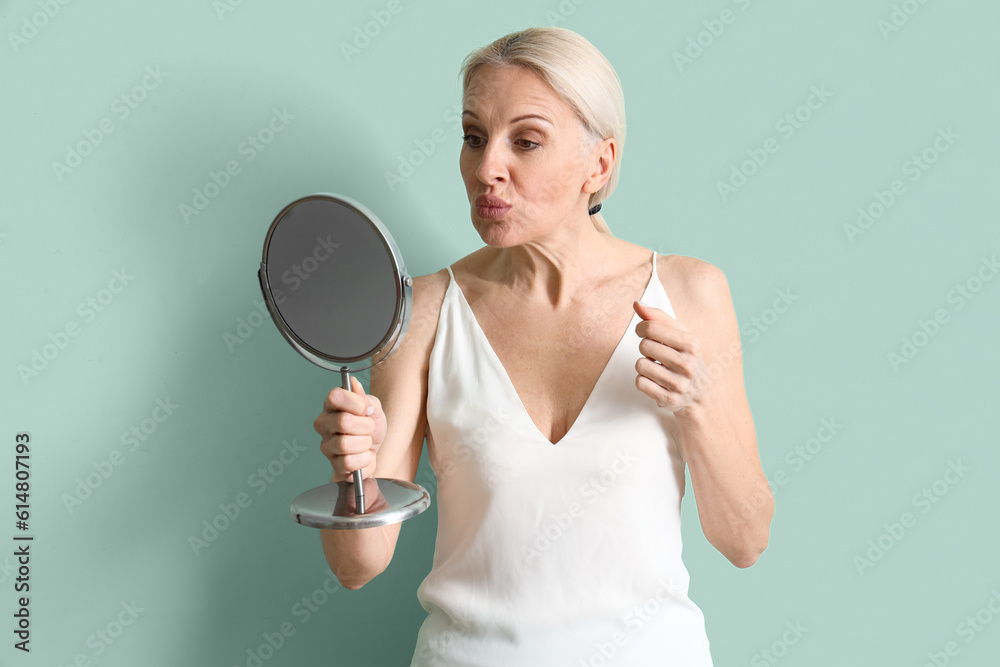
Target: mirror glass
{"points": [[333, 279]]}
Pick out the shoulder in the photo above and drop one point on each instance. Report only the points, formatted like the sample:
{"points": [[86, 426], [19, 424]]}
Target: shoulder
{"points": [[697, 289], [427, 294], [691, 273], [469, 275], [432, 287], [702, 303]]}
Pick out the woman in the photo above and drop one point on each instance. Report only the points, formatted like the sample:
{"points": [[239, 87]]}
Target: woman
{"points": [[558, 441]]}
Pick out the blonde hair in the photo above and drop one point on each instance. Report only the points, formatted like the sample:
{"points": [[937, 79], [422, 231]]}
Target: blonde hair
{"points": [[580, 75]]}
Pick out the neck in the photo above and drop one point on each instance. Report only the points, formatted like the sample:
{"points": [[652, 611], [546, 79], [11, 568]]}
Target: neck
{"points": [[555, 269]]}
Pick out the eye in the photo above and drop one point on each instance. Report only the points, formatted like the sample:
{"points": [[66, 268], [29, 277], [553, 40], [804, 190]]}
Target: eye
{"points": [[472, 140], [469, 138]]}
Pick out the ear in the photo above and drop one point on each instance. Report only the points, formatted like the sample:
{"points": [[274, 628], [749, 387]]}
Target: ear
{"points": [[602, 157]]}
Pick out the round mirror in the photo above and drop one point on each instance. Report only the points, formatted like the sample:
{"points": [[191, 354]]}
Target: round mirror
{"points": [[336, 287]]}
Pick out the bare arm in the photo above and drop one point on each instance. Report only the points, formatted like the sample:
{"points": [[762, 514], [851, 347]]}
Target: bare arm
{"points": [[699, 378], [717, 433]]}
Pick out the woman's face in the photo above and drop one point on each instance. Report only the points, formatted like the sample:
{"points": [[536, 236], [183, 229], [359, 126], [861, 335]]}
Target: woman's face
{"points": [[543, 166]]}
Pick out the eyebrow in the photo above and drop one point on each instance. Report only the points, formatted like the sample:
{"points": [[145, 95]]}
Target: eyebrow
{"points": [[525, 116]]}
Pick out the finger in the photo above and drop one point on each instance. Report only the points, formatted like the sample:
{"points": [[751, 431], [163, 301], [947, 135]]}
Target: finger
{"points": [[664, 377], [359, 390], [336, 422], [665, 398], [345, 445], [645, 311], [649, 313], [354, 462], [367, 470], [668, 334], [347, 423], [339, 399], [679, 362]]}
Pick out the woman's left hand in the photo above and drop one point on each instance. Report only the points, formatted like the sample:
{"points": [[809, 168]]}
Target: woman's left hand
{"points": [[680, 378]]}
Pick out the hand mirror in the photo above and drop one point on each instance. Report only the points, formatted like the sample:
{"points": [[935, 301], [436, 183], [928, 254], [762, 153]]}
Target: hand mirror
{"points": [[336, 287]]}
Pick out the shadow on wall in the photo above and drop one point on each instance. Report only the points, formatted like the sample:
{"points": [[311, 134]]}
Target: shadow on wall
{"points": [[247, 402]]}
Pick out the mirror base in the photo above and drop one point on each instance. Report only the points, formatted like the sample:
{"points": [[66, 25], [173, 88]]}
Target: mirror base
{"points": [[332, 506]]}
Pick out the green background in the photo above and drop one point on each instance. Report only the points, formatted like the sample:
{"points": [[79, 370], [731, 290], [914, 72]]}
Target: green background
{"points": [[891, 87]]}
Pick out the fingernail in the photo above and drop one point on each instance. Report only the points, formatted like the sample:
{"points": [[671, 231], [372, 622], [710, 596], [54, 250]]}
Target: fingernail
{"points": [[643, 304], [371, 410]]}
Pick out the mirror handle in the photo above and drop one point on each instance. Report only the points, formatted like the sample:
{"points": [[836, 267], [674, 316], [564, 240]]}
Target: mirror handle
{"points": [[359, 486]]}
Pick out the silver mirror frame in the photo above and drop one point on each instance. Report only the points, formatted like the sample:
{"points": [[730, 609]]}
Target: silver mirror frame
{"points": [[404, 289]]}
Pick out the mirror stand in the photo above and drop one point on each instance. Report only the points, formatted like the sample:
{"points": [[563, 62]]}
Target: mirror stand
{"points": [[333, 327], [359, 484]]}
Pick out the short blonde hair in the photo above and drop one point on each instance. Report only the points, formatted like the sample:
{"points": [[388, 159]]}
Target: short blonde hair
{"points": [[580, 75]]}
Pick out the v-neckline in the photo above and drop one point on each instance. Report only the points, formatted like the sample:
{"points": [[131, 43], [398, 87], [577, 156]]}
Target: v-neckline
{"points": [[510, 384]]}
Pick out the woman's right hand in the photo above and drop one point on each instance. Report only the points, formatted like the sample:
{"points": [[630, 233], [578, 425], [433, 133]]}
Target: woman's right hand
{"points": [[351, 436]]}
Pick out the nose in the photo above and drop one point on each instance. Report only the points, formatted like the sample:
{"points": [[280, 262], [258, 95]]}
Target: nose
{"points": [[492, 162]]}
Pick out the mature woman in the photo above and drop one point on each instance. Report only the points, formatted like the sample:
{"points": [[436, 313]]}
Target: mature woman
{"points": [[559, 413]]}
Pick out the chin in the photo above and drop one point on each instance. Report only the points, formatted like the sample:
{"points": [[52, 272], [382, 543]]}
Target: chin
{"points": [[496, 233]]}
